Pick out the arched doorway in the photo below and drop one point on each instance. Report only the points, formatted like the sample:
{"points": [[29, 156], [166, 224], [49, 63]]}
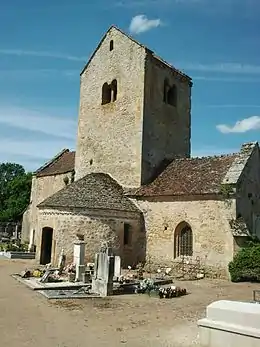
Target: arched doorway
{"points": [[46, 246], [183, 240]]}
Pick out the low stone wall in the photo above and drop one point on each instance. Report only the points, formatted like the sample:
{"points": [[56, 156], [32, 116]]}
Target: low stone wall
{"points": [[189, 269], [230, 323]]}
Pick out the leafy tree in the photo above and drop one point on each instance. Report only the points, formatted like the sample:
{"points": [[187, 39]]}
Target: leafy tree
{"points": [[15, 189]]}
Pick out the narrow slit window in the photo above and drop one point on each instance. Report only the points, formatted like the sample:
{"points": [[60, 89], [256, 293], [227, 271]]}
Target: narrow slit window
{"points": [[127, 234], [111, 45]]}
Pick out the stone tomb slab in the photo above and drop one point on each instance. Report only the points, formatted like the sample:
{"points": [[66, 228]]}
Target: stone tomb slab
{"points": [[34, 284], [59, 294]]}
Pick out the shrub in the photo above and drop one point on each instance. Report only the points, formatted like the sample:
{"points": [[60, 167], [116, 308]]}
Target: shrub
{"points": [[246, 264], [9, 246]]}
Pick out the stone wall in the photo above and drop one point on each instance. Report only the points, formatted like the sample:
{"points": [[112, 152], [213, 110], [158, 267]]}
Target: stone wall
{"points": [[167, 128], [209, 221], [98, 227], [109, 136], [42, 188], [248, 192]]}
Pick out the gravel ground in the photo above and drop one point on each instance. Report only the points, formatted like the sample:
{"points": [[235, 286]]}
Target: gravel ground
{"points": [[29, 319]]}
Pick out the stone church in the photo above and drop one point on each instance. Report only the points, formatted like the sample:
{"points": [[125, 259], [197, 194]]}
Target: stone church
{"points": [[131, 183]]}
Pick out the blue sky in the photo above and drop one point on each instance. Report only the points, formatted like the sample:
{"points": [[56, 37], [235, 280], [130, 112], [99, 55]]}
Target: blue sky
{"points": [[45, 44]]}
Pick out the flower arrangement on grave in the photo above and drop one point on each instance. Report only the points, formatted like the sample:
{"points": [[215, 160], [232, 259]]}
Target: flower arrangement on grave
{"points": [[146, 286], [140, 271], [171, 292], [70, 268], [37, 273]]}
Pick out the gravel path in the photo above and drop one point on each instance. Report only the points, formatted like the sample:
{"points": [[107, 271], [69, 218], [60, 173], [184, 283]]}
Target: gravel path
{"points": [[29, 320]]}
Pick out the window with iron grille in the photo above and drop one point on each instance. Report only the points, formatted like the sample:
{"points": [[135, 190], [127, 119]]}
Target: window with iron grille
{"points": [[183, 241]]}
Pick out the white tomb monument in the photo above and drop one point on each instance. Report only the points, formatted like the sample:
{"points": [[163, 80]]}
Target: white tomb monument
{"points": [[230, 323]]}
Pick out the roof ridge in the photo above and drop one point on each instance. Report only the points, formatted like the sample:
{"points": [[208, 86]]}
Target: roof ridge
{"points": [[155, 56], [189, 176], [93, 191], [51, 161], [205, 157], [217, 156]]}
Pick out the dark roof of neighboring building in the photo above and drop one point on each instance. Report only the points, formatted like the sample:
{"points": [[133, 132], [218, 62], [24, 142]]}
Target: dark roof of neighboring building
{"points": [[189, 176], [94, 191], [63, 162], [186, 77]]}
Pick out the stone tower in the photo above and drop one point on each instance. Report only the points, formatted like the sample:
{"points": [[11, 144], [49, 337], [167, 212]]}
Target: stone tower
{"points": [[134, 114]]}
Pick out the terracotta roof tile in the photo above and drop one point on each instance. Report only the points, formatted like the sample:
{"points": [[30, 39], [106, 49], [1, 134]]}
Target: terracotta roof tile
{"points": [[62, 163], [189, 176]]}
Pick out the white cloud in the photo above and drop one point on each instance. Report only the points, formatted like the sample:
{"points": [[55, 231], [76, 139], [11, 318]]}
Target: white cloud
{"points": [[226, 79], [241, 126], [232, 68], [45, 122], [31, 154], [140, 24], [154, 3], [38, 73], [44, 54], [49, 134], [231, 106], [34, 149]]}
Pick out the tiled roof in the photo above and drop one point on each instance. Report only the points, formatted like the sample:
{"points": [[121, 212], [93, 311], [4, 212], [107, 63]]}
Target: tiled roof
{"points": [[189, 176], [94, 191], [62, 163]]}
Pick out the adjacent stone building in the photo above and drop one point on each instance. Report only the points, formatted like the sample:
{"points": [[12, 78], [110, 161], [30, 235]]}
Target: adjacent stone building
{"points": [[202, 208], [47, 180], [136, 187]]}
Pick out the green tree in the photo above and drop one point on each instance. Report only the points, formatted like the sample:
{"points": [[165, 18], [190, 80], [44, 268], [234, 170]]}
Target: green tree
{"points": [[15, 189]]}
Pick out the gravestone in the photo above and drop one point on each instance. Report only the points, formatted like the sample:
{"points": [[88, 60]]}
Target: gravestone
{"points": [[102, 283], [31, 245], [117, 269], [79, 257]]}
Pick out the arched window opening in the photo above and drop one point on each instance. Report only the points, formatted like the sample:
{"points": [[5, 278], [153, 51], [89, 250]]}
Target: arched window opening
{"points": [[111, 45], [183, 240], [114, 90], [172, 96], [165, 90], [106, 94]]}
